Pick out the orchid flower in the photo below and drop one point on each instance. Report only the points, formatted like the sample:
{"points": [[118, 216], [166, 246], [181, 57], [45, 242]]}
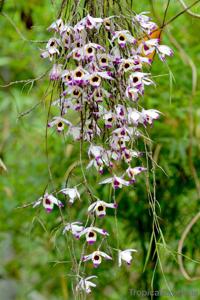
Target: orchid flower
{"points": [[123, 37], [91, 22], [75, 228], [164, 51], [132, 93], [109, 119], [117, 182], [72, 193], [99, 207], [59, 122], [125, 256], [144, 22], [149, 115], [149, 46], [139, 79], [95, 78], [56, 72], [90, 234], [108, 23], [132, 172], [96, 257], [48, 201], [75, 132], [104, 60], [57, 26], [85, 284], [128, 154], [51, 48], [134, 116]]}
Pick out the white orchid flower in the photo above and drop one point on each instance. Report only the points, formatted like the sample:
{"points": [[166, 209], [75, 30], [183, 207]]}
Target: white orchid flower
{"points": [[95, 78], [117, 182], [75, 132], [57, 26], [138, 79], [132, 93], [48, 201], [99, 207], [149, 115], [134, 116], [164, 51], [75, 228], [109, 118], [125, 256], [132, 172], [90, 234], [128, 154], [72, 193], [123, 37], [59, 122], [85, 284], [145, 22], [56, 72], [96, 257], [95, 151], [91, 22], [51, 49], [149, 46]]}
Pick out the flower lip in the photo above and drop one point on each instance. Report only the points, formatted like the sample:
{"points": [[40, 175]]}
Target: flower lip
{"points": [[100, 207], [47, 201], [122, 38], [96, 257], [76, 92], [91, 242], [103, 60], [95, 79], [126, 65], [135, 79], [89, 50], [60, 124], [91, 234], [146, 47], [79, 74]]}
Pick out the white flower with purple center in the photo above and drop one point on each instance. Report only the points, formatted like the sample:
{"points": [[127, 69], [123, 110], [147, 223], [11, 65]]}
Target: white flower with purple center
{"points": [[90, 22], [149, 115], [96, 257], [48, 201], [90, 234], [60, 123], [132, 172], [109, 119], [126, 256], [117, 182], [123, 37], [99, 208]]}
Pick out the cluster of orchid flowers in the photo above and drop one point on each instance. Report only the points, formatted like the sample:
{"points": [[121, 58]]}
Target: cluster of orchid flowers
{"points": [[100, 88]]}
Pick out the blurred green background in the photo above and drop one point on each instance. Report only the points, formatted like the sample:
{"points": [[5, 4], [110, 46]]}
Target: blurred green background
{"points": [[32, 248]]}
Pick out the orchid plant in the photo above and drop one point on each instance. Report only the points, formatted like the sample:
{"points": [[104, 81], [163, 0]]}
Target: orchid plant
{"points": [[101, 82]]}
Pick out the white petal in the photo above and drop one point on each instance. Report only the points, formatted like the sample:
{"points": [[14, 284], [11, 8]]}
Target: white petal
{"points": [[108, 180]]}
